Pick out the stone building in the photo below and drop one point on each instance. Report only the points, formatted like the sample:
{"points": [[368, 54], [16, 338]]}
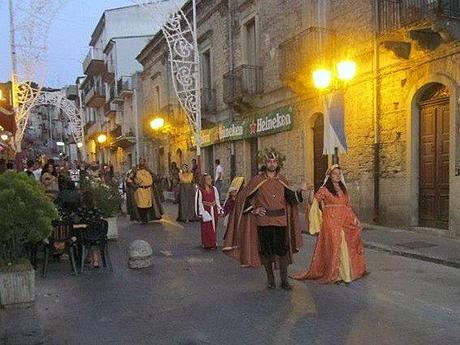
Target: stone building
{"points": [[401, 109], [108, 91]]}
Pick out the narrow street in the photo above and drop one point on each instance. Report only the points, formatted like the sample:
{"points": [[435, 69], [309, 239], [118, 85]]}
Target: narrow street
{"points": [[194, 297]]}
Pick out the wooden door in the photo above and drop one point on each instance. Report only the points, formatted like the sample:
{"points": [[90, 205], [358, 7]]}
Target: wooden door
{"points": [[434, 164], [320, 163]]}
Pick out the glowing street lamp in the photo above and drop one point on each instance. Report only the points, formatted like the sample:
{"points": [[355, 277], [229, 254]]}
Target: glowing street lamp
{"points": [[4, 137], [346, 70], [157, 123], [79, 145], [322, 78], [102, 138]]}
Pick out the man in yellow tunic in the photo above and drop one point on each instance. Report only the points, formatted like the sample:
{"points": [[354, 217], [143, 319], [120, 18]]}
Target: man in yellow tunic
{"points": [[144, 194]]}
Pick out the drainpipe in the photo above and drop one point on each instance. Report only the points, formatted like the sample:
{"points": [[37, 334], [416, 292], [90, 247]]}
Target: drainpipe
{"points": [[230, 38], [376, 146]]}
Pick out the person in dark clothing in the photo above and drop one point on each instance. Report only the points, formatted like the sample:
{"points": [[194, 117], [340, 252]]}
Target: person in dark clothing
{"points": [[30, 168]]}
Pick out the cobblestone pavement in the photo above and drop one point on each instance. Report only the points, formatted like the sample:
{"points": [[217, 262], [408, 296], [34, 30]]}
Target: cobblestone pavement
{"points": [[192, 297]]}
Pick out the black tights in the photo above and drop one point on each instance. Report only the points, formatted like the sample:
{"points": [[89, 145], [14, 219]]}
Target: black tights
{"points": [[143, 214], [267, 261]]}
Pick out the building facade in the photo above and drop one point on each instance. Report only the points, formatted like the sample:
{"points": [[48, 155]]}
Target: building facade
{"points": [[400, 111], [110, 76]]}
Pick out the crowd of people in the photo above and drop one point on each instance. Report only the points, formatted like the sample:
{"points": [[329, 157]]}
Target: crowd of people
{"points": [[261, 218]]}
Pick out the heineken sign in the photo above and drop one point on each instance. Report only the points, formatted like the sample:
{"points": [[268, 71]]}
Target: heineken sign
{"points": [[273, 122], [277, 121]]}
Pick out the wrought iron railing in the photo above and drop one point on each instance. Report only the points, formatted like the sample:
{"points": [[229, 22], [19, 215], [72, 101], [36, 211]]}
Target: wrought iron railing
{"points": [[396, 14], [300, 53], [124, 84], [245, 80]]}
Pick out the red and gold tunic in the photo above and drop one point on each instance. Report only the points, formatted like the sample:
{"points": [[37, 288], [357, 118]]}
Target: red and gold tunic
{"points": [[271, 196]]}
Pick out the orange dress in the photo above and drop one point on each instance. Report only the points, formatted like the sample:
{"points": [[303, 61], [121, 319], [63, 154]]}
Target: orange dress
{"points": [[339, 253]]}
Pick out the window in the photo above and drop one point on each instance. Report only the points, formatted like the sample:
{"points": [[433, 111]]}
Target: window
{"points": [[206, 69], [251, 42], [156, 98]]}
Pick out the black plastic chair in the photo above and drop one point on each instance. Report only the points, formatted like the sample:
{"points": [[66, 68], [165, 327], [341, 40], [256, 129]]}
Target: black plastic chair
{"points": [[95, 235], [62, 232]]}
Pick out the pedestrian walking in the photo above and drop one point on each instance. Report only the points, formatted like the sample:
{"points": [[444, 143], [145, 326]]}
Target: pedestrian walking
{"points": [[30, 168], [230, 200], [195, 171], [186, 210], [37, 170], [146, 200], [264, 226], [339, 250], [49, 181], [208, 209], [218, 177]]}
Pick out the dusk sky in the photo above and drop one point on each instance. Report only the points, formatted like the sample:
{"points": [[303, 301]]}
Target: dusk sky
{"points": [[68, 38]]}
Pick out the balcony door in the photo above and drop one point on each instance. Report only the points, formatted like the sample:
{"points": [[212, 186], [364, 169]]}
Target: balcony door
{"points": [[251, 43], [434, 158]]}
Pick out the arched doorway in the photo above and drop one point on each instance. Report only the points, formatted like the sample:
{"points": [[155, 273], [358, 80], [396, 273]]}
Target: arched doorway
{"points": [[320, 162], [434, 157]]}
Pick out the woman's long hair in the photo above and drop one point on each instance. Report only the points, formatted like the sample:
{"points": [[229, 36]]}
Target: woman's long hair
{"points": [[202, 183], [330, 187]]}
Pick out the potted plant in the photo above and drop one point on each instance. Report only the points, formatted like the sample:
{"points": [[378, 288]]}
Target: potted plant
{"points": [[25, 218], [108, 199]]}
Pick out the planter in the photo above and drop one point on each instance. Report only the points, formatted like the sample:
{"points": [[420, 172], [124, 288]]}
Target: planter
{"points": [[17, 284], [113, 228]]}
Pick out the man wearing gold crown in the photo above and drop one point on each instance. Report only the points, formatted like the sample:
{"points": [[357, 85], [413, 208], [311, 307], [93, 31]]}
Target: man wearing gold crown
{"points": [[263, 228]]}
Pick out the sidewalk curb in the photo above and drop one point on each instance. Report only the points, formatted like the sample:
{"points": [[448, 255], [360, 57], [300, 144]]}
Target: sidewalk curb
{"points": [[410, 254]]}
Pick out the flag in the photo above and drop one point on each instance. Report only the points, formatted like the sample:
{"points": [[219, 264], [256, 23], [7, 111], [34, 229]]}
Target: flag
{"points": [[334, 131]]}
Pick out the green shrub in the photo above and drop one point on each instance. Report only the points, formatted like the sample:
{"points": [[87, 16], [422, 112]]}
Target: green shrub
{"points": [[26, 214], [107, 198]]}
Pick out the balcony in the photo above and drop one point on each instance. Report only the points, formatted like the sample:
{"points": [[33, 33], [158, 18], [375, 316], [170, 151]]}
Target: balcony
{"points": [[94, 62], [301, 53], [125, 87], [95, 97], [428, 22], [108, 74], [71, 92], [110, 109], [241, 84], [208, 101]]}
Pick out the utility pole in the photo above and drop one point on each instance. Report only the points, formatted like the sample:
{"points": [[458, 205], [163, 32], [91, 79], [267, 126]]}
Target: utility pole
{"points": [[198, 89]]}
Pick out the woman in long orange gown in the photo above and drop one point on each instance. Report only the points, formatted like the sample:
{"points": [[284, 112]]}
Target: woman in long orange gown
{"points": [[339, 253]]}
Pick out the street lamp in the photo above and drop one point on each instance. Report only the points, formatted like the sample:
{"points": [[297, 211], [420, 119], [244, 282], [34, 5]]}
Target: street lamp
{"points": [[79, 145], [102, 138], [4, 137], [334, 82], [157, 123], [345, 71], [322, 78]]}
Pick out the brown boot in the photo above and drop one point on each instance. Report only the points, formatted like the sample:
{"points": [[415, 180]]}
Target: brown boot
{"points": [[267, 261], [284, 263]]}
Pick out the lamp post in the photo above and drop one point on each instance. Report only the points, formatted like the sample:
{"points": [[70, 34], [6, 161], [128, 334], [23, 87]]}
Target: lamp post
{"points": [[102, 139], [332, 81], [182, 38]]}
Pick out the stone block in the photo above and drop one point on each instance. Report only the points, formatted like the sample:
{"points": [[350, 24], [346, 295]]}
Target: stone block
{"points": [[140, 254], [17, 287]]}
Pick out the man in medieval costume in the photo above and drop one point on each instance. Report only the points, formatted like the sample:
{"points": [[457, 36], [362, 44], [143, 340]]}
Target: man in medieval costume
{"points": [[143, 200], [264, 226]]}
